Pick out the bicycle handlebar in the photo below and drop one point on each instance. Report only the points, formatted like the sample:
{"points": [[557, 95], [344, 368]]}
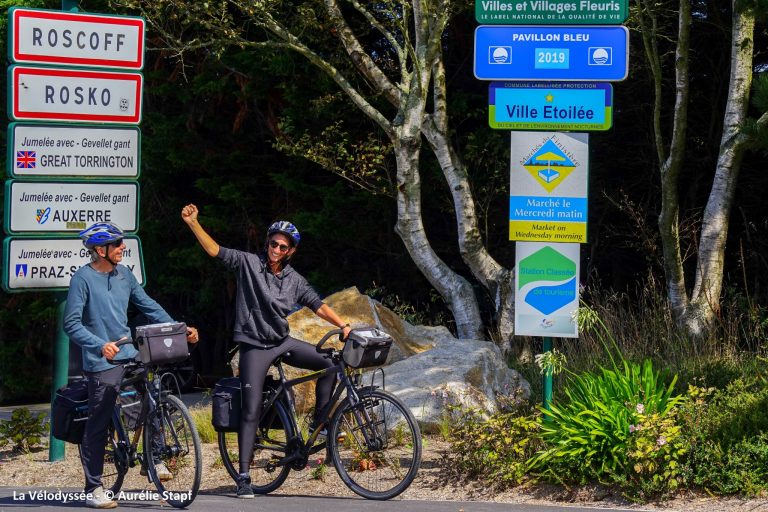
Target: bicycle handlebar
{"points": [[325, 338], [120, 343]]}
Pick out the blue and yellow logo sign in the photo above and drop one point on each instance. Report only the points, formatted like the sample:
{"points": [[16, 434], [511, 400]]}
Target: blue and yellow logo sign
{"points": [[549, 165]]}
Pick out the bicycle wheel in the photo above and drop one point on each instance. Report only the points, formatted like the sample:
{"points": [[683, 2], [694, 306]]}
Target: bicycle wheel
{"points": [[115, 460], [170, 438], [375, 445], [275, 429]]}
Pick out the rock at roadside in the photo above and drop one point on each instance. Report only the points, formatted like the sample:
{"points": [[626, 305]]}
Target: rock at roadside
{"points": [[464, 373]]}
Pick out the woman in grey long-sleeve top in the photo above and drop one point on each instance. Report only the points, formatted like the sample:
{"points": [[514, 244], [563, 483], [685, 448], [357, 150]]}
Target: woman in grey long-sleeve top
{"points": [[267, 290]]}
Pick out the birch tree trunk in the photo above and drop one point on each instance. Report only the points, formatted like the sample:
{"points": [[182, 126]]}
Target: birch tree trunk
{"points": [[708, 284], [695, 312]]}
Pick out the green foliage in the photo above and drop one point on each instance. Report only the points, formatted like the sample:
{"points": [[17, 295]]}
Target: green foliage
{"points": [[656, 449], [727, 439], [740, 468], [588, 433], [738, 411], [201, 416], [24, 430], [495, 449]]}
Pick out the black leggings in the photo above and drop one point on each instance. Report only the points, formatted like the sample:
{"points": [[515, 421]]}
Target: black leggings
{"points": [[254, 365]]}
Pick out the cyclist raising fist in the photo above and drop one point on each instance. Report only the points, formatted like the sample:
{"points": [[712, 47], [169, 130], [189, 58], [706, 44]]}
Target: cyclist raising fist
{"points": [[267, 290]]}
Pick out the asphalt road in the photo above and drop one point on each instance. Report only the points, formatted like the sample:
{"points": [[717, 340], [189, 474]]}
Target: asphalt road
{"points": [[11, 498]]}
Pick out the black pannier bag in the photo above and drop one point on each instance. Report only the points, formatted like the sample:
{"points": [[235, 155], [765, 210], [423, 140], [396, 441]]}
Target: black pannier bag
{"points": [[70, 412], [226, 404], [130, 407], [161, 344], [366, 347]]}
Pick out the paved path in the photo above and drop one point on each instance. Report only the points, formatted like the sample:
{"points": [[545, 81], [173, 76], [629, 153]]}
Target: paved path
{"points": [[10, 500]]}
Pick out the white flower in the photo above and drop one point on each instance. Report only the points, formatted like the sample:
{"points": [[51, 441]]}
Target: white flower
{"points": [[640, 408]]}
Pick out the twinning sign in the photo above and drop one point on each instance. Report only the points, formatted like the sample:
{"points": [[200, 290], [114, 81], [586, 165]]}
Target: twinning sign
{"points": [[38, 150], [44, 207], [48, 263], [65, 90]]}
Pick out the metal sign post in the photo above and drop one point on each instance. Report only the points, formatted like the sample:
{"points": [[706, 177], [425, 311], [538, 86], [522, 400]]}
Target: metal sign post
{"points": [[46, 214]]}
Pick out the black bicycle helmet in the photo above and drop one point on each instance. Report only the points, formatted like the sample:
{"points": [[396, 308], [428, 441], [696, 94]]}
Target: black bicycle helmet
{"points": [[101, 233], [286, 228]]}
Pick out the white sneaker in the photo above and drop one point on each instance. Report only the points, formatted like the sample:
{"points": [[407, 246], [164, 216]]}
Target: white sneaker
{"points": [[323, 435], [99, 499], [162, 471]]}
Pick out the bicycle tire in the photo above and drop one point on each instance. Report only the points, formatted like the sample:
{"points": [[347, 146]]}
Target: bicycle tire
{"points": [[115, 461], [386, 467], [181, 452], [270, 443]]}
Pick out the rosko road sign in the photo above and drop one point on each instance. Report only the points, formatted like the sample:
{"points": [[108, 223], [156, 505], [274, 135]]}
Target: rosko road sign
{"points": [[43, 150], [38, 207], [547, 289], [562, 106], [592, 54], [548, 186], [57, 94], [75, 39], [551, 12], [48, 263]]}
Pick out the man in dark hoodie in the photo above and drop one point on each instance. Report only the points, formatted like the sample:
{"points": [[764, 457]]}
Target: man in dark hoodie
{"points": [[267, 290]]}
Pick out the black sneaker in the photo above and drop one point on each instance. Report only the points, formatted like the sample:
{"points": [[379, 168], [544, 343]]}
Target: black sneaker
{"points": [[244, 489]]}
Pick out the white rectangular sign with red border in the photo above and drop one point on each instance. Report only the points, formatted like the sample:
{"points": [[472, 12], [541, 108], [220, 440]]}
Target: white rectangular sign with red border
{"points": [[75, 39], [54, 94]]}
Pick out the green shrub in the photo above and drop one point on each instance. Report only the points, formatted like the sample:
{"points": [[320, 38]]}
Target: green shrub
{"points": [[24, 430], [495, 449], [587, 435], [656, 450], [740, 468], [737, 412], [725, 430], [201, 415]]}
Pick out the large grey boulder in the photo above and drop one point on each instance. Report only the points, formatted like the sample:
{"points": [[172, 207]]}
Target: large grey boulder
{"points": [[428, 368], [463, 373]]}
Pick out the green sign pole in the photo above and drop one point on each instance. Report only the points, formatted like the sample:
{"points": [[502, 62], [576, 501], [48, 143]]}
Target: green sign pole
{"points": [[548, 342], [61, 343], [60, 370]]}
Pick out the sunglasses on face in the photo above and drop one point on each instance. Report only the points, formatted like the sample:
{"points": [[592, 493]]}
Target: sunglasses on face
{"points": [[276, 245]]}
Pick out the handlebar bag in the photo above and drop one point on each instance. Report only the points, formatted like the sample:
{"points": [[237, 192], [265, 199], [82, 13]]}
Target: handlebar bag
{"points": [[365, 348], [161, 344], [70, 412]]}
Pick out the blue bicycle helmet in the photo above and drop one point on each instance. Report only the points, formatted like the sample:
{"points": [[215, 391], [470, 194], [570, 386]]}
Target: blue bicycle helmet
{"points": [[286, 228], [101, 233]]}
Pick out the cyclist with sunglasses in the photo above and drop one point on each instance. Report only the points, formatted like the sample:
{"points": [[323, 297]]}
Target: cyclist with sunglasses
{"points": [[96, 318], [267, 290]]}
